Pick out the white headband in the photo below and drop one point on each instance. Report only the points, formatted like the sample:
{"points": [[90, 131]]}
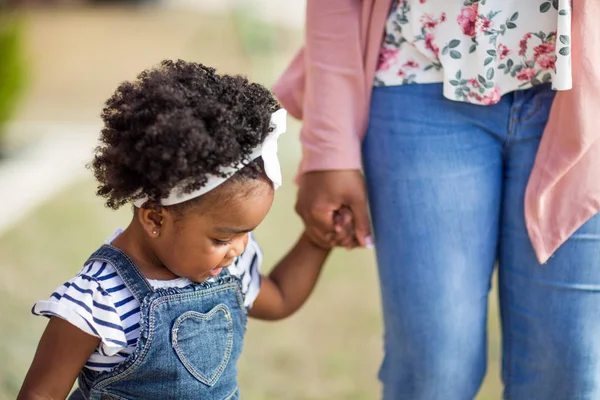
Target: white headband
{"points": [[268, 152]]}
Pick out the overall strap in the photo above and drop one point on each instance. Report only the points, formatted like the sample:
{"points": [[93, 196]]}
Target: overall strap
{"points": [[126, 268]]}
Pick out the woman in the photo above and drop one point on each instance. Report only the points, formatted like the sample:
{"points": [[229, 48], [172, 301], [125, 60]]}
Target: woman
{"points": [[465, 165]]}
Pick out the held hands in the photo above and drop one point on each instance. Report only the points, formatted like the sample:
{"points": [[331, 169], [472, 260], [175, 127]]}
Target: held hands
{"points": [[333, 206], [344, 234]]}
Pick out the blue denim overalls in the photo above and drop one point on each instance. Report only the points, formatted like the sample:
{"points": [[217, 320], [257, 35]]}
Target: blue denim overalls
{"points": [[190, 341]]}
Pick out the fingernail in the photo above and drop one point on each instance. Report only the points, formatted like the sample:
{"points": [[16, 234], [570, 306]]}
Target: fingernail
{"points": [[369, 243]]}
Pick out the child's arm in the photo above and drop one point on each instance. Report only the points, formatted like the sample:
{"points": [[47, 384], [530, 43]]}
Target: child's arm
{"points": [[60, 356], [290, 283], [293, 279]]}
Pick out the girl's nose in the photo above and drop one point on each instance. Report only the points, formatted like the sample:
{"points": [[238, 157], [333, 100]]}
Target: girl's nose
{"points": [[237, 247]]}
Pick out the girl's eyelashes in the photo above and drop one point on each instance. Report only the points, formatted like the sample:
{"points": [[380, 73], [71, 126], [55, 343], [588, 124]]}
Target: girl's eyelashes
{"points": [[221, 242]]}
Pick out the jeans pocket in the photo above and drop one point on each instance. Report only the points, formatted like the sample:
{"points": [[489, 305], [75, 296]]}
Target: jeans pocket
{"points": [[203, 342]]}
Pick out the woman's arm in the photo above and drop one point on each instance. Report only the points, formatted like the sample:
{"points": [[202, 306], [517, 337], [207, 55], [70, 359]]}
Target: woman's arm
{"points": [[62, 352], [325, 87], [290, 283]]}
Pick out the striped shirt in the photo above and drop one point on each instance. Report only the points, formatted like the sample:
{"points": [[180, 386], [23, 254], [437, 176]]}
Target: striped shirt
{"points": [[97, 301]]}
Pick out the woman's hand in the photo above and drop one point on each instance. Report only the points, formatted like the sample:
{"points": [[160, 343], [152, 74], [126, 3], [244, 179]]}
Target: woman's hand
{"points": [[322, 194]]}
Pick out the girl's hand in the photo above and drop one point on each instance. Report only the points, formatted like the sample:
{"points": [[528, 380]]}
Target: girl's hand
{"points": [[61, 354], [344, 234]]}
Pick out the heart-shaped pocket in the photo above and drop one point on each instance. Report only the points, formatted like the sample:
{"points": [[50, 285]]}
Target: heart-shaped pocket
{"points": [[203, 342]]}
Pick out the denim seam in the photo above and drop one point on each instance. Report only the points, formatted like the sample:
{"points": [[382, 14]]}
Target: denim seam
{"points": [[240, 299], [126, 279], [512, 126], [236, 391], [109, 395], [536, 108], [204, 317], [508, 342], [151, 326]]}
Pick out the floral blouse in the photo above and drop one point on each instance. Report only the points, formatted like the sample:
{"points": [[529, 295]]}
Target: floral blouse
{"points": [[479, 49]]}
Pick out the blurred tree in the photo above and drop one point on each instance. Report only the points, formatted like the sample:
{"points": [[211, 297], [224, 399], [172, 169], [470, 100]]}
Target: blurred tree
{"points": [[11, 64], [258, 37], [131, 2]]}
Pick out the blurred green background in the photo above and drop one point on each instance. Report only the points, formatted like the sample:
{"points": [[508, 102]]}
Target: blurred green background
{"points": [[76, 55]]}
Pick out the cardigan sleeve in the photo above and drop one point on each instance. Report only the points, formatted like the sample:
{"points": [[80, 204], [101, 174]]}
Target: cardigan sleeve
{"points": [[324, 86]]}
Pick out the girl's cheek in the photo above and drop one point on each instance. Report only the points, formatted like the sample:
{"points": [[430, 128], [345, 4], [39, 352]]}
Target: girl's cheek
{"points": [[222, 251]]}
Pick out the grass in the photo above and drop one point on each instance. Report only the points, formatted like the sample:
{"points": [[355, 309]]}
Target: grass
{"points": [[330, 349], [11, 68]]}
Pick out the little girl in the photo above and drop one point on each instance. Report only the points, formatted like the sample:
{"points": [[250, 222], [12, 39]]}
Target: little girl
{"points": [[160, 310]]}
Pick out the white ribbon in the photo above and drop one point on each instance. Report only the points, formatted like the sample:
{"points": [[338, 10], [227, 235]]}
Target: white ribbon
{"points": [[268, 152]]}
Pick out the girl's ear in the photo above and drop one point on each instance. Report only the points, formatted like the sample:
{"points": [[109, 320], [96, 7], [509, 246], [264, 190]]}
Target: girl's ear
{"points": [[151, 216]]}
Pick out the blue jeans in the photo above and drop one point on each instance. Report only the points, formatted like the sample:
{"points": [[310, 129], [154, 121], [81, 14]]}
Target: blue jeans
{"points": [[446, 183]]}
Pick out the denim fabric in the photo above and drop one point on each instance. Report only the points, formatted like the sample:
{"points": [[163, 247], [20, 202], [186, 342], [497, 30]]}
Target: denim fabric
{"points": [[446, 183], [189, 344]]}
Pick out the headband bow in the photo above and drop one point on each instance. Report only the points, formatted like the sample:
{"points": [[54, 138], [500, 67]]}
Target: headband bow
{"points": [[267, 150]]}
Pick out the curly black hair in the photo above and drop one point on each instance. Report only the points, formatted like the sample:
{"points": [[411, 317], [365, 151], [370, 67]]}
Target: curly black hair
{"points": [[175, 125]]}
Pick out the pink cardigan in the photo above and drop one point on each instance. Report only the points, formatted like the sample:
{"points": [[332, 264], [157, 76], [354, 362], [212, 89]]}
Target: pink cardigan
{"points": [[328, 86]]}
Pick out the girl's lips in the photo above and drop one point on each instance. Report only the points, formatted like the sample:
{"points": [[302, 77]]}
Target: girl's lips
{"points": [[216, 271]]}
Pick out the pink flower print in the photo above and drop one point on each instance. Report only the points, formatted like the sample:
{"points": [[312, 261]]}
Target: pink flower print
{"points": [[422, 1], [428, 22], [547, 61], [467, 18], [483, 25], [386, 58], [411, 64], [475, 96], [543, 49], [526, 74], [430, 45], [473, 82], [544, 54], [492, 98], [503, 51], [401, 73], [523, 44]]}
